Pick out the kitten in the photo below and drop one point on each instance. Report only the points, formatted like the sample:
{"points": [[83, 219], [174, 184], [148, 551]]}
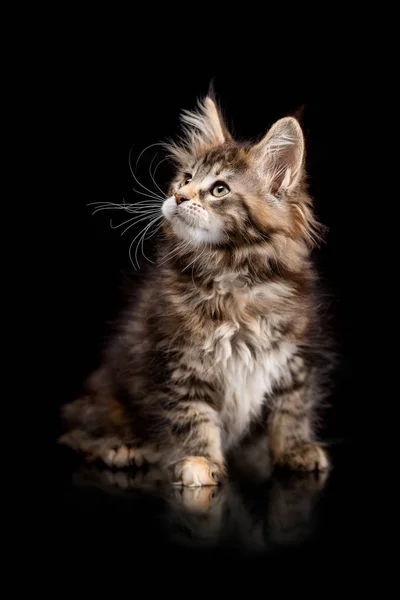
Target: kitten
{"points": [[223, 338]]}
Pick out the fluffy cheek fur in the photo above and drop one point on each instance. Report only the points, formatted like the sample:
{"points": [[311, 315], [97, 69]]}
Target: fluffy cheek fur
{"points": [[192, 223]]}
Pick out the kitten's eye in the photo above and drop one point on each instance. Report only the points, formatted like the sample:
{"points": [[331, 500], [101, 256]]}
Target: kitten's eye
{"points": [[220, 189], [187, 179]]}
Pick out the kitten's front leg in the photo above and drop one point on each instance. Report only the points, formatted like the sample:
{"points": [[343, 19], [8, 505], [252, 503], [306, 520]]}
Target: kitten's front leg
{"points": [[195, 432], [193, 443], [290, 433]]}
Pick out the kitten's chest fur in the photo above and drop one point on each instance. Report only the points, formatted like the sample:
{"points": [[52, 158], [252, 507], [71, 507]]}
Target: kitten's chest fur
{"points": [[246, 354]]}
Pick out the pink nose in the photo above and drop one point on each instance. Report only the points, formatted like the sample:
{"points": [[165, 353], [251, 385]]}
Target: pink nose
{"points": [[180, 198]]}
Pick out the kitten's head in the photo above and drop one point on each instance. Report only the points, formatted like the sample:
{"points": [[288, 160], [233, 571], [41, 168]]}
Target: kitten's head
{"points": [[226, 193]]}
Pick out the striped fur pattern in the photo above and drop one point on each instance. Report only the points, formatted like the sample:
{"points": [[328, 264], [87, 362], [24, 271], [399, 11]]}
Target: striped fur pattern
{"points": [[223, 341]]}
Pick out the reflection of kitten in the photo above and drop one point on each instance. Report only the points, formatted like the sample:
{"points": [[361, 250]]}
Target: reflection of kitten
{"points": [[224, 334], [243, 516]]}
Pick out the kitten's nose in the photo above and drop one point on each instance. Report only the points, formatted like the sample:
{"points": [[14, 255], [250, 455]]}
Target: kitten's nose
{"points": [[180, 198]]}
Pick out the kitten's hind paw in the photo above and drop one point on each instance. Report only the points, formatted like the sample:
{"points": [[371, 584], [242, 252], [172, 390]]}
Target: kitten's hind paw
{"points": [[195, 471]]}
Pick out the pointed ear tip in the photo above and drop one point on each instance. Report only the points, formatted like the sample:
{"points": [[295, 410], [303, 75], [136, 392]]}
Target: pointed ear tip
{"points": [[291, 122], [291, 126]]}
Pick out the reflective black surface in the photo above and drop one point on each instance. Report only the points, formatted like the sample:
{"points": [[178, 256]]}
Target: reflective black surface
{"points": [[250, 518]]}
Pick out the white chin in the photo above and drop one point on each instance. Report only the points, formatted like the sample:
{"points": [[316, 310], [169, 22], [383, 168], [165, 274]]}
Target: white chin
{"points": [[194, 235], [184, 231], [169, 207]]}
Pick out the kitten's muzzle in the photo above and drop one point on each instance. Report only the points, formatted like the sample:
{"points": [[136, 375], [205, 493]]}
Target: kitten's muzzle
{"points": [[180, 198]]}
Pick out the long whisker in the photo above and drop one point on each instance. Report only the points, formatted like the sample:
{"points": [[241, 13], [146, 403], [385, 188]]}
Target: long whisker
{"points": [[148, 213], [110, 205], [152, 176], [135, 222], [180, 245], [129, 208], [154, 196], [154, 232], [154, 200], [151, 235], [137, 180], [193, 261], [148, 237], [146, 209], [121, 224], [143, 151], [129, 211], [133, 241], [142, 235], [148, 216], [141, 239], [174, 252], [148, 203], [158, 164], [134, 219]]}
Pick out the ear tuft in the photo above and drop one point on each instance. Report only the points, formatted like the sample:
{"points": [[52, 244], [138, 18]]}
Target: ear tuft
{"points": [[206, 123], [203, 128]]}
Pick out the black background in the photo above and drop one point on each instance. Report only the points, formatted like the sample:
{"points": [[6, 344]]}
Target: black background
{"points": [[104, 108]]}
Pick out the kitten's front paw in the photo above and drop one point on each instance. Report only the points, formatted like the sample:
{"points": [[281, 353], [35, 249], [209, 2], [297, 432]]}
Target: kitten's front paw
{"points": [[304, 457], [195, 471]]}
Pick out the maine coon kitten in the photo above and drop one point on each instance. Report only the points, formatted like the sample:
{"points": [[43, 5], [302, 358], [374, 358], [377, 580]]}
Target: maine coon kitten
{"points": [[222, 340]]}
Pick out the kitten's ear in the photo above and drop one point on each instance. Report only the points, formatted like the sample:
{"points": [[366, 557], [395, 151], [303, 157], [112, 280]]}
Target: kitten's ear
{"points": [[205, 125], [279, 155]]}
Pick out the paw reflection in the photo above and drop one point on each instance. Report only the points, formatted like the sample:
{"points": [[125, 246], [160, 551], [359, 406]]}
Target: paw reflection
{"points": [[200, 499]]}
